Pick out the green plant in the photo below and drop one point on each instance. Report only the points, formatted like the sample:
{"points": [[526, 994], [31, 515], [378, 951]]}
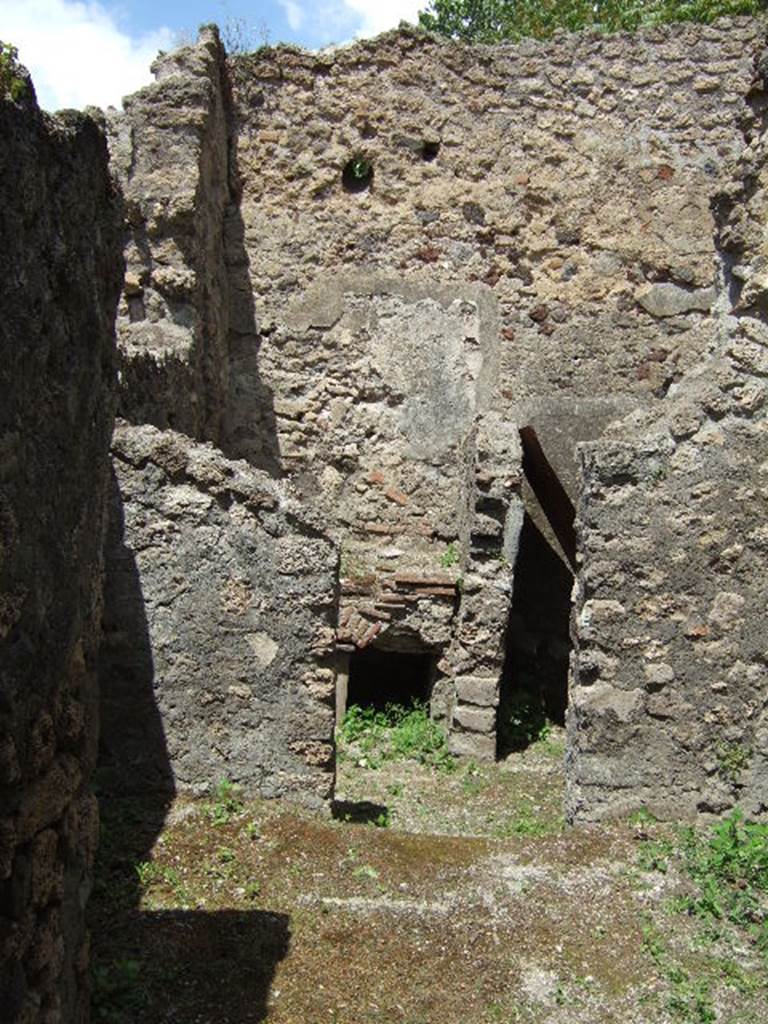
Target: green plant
{"points": [[728, 865], [226, 804], [11, 81], [357, 173], [366, 871], [689, 998], [396, 733], [117, 994], [526, 821], [450, 556], [360, 168], [654, 855], [252, 890], [642, 816], [730, 869], [151, 873], [147, 872], [489, 21], [474, 781], [522, 721], [732, 760]]}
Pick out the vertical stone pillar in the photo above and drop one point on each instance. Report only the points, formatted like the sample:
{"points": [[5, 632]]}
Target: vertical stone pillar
{"points": [[493, 519]]}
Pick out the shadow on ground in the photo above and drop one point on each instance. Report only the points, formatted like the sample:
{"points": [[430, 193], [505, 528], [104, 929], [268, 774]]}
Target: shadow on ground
{"points": [[359, 812], [185, 965]]}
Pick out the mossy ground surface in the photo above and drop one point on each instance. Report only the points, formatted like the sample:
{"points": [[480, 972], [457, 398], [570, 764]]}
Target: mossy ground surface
{"points": [[469, 903]]}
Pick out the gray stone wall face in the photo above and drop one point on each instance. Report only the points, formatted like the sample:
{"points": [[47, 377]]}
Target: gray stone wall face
{"points": [[60, 273], [235, 588], [541, 244], [169, 151], [571, 184], [669, 697]]}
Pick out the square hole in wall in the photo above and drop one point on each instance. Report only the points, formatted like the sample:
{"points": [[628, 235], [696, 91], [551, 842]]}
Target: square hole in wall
{"points": [[380, 677]]}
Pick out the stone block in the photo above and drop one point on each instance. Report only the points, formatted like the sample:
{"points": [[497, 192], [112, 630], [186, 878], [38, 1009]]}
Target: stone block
{"points": [[478, 690], [47, 869], [47, 797], [474, 719], [667, 299], [472, 744]]}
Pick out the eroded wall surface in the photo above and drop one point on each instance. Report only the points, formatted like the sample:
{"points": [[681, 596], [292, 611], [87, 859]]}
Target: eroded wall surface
{"points": [[60, 274], [221, 599], [669, 705], [570, 182], [169, 150], [538, 246], [221, 592]]}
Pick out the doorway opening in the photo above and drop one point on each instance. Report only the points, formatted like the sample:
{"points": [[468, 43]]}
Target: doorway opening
{"points": [[379, 677], [534, 684]]}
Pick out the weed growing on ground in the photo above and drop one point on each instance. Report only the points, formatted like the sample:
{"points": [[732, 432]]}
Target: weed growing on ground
{"points": [[383, 820], [117, 994], [226, 803], [730, 869], [366, 871], [252, 830], [523, 722], [689, 998], [252, 890], [728, 866], [396, 733], [151, 874], [474, 782], [546, 743], [527, 821]]}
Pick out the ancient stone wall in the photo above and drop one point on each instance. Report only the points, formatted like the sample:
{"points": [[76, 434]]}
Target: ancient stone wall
{"points": [[569, 186], [221, 602], [221, 594], [669, 703], [569, 182], [169, 151], [407, 251], [60, 274]]}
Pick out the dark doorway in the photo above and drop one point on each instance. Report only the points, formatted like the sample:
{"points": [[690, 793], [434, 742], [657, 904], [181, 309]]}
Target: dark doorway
{"points": [[380, 677], [534, 686]]}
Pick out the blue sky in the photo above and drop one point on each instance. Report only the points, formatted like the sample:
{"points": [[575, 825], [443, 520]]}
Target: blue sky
{"points": [[82, 52]]}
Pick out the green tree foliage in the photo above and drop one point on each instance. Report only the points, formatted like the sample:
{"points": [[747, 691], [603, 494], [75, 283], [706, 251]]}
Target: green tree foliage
{"points": [[11, 82], [490, 21]]}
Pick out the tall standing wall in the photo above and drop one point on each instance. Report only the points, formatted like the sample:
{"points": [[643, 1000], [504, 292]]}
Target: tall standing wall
{"points": [[669, 701], [426, 246], [60, 275]]}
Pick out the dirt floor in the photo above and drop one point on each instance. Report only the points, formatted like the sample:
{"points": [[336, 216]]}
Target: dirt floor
{"points": [[431, 897]]}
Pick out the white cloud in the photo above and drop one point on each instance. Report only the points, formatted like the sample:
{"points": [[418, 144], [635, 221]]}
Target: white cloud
{"points": [[294, 14], [77, 53], [379, 16]]}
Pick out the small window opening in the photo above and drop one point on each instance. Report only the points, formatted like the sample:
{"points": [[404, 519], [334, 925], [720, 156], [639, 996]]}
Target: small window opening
{"points": [[357, 174], [429, 150], [380, 677]]}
